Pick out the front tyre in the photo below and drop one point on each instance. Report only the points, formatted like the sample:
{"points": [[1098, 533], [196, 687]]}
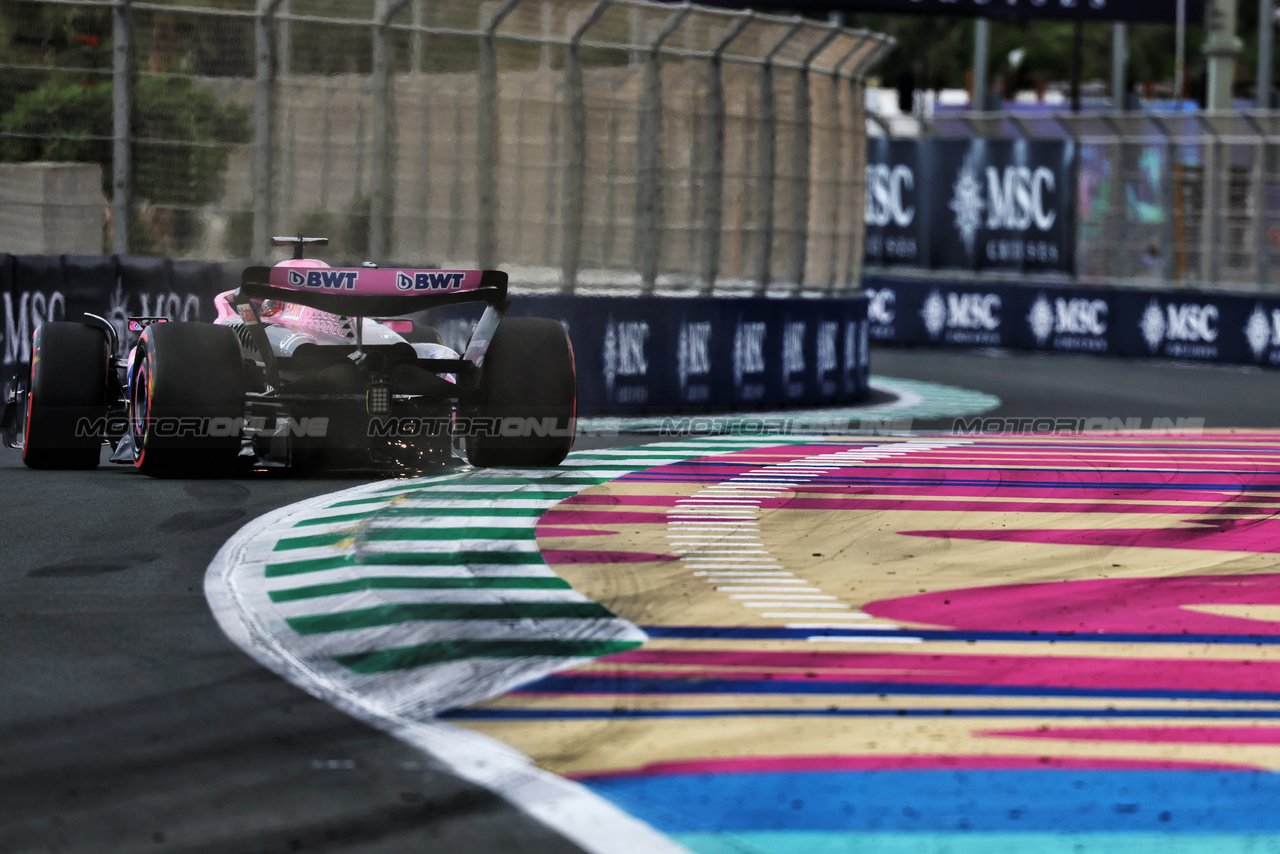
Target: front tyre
{"points": [[528, 397], [186, 400], [67, 398]]}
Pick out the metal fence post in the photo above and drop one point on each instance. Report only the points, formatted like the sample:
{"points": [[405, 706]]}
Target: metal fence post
{"points": [[856, 138], [1211, 181], [801, 166], [417, 44], [122, 100], [1119, 55], [575, 172], [768, 166], [853, 260], [1266, 51], [648, 237], [555, 181], [283, 195], [487, 131], [1117, 222], [853, 265], [1168, 189], [284, 55], [1262, 262], [981, 50], [544, 55], [634, 19], [608, 234], [381, 165], [1268, 157], [1258, 192], [263, 96], [713, 200]]}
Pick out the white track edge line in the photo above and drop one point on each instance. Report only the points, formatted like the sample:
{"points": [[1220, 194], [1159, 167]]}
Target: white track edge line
{"points": [[566, 807]]}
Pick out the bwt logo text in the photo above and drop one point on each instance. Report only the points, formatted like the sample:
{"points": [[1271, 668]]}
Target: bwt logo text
{"points": [[330, 280], [429, 281]]}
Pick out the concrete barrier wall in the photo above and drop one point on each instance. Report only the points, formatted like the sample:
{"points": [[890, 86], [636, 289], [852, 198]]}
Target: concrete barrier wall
{"points": [[52, 207]]}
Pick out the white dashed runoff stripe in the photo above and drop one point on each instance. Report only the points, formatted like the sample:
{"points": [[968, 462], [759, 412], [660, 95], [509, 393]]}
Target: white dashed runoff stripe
{"points": [[395, 600]]}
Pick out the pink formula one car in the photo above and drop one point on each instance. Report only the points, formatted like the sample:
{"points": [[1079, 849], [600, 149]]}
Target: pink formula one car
{"points": [[305, 366]]}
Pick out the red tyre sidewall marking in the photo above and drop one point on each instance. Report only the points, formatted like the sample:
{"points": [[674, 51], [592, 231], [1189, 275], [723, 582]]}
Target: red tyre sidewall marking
{"points": [[31, 386], [143, 376], [573, 414]]}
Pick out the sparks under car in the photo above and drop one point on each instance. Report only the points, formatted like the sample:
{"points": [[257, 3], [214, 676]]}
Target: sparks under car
{"points": [[305, 366]]}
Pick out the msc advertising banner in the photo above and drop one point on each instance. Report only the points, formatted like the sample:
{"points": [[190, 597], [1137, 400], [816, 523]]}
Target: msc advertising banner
{"points": [[1002, 205], [635, 355], [642, 355], [1183, 325], [971, 204], [36, 288], [893, 203]]}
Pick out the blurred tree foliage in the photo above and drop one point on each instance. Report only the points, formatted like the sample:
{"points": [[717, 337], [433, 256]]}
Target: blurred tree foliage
{"points": [[937, 52], [180, 153], [67, 120], [59, 107], [35, 37]]}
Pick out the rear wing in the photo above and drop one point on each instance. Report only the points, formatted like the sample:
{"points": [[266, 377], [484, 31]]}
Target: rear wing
{"points": [[369, 292]]}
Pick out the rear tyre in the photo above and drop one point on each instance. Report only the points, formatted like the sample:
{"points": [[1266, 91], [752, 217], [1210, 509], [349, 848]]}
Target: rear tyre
{"points": [[68, 392], [186, 400], [528, 394]]}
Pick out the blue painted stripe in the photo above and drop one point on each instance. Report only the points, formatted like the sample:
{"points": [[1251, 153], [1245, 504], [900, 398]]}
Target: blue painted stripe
{"points": [[1055, 800], [854, 472], [996, 486], [1003, 712], [967, 842], [615, 685], [762, 633]]}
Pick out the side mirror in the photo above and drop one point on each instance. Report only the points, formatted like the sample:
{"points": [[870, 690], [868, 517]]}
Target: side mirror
{"points": [[137, 324]]}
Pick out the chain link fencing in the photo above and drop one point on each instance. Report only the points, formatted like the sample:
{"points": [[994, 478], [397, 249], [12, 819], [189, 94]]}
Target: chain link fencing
{"points": [[1190, 200], [578, 144]]}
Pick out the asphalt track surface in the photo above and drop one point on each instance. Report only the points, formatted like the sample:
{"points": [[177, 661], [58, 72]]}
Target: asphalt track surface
{"points": [[1036, 385], [129, 723]]}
